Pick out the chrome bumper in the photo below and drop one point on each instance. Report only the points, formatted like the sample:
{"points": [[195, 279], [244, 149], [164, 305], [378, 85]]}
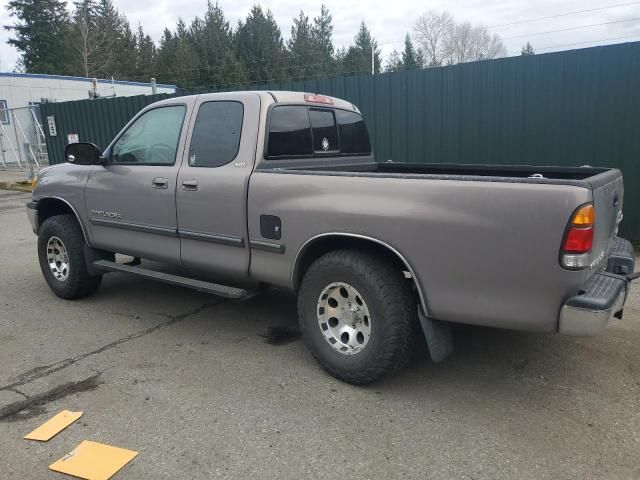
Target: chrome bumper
{"points": [[32, 215], [602, 298]]}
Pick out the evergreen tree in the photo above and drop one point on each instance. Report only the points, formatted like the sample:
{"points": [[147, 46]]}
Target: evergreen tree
{"points": [[41, 35], [303, 54], [259, 46], [527, 50], [87, 7], [123, 64], [322, 32], [410, 58], [186, 63], [213, 41], [358, 56], [145, 55], [111, 28], [167, 52]]}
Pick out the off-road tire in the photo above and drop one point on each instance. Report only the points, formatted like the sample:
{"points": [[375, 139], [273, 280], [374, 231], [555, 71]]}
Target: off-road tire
{"points": [[391, 303], [78, 283]]}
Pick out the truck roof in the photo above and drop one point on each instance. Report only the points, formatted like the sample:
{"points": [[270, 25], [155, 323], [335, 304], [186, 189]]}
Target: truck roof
{"points": [[282, 96]]}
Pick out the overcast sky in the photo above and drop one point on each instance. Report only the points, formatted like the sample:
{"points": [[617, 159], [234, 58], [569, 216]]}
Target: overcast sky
{"points": [[390, 20]]}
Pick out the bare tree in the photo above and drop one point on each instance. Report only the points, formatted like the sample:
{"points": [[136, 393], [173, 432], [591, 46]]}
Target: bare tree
{"points": [[496, 48], [485, 46], [88, 43], [459, 43], [394, 62], [431, 32], [444, 41]]}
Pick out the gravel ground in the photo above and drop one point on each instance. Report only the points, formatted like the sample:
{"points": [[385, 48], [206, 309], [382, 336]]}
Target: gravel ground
{"points": [[206, 388]]}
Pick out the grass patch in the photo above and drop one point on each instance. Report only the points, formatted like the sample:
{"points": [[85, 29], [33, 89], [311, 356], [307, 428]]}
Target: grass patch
{"points": [[17, 186]]}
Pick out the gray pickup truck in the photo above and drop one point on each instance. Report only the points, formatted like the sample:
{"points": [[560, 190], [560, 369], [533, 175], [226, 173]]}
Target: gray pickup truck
{"points": [[230, 192]]}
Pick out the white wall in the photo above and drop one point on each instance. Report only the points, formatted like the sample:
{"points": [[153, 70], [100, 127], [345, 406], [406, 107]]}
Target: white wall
{"points": [[20, 89]]}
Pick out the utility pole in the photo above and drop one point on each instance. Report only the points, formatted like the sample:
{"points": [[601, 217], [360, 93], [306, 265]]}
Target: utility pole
{"points": [[373, 62]]}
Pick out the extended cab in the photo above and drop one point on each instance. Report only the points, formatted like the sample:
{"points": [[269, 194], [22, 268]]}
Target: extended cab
{"points": [[236, 191]]}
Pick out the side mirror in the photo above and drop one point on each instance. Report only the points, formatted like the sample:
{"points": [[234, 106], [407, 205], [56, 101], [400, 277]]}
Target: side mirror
{"points": [[83, 154]]}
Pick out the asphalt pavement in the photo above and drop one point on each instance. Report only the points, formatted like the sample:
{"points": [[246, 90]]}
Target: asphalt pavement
{"points": [[209, 388]]}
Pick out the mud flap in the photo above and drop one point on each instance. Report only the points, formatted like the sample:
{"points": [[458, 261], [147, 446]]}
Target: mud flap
{"points": [[438, 335], [93, 254]]}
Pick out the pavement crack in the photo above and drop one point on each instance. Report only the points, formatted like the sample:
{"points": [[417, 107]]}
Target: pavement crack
{"points": [[35, 405], [46, 370], [15, 390]]}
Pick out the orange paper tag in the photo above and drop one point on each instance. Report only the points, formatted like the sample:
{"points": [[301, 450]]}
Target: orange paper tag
{"points": [[53, 426], [93, 461]]}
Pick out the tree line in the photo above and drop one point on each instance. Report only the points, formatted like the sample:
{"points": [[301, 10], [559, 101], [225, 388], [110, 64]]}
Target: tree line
{"points": [[94, 39]]}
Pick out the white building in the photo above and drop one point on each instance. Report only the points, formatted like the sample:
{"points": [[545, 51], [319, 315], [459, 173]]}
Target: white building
{"points": [[21, 137]]}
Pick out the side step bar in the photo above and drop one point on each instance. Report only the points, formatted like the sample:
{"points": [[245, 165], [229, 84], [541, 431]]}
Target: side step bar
{"points": [[199, 285]]}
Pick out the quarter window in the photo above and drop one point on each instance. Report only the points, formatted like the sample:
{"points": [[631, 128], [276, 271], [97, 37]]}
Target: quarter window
{"points": [[152, 139], [4, 112], [216, 134], [354, 138]]}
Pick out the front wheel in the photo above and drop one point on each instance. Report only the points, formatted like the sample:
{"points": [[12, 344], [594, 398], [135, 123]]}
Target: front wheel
{"points": [[61, 255], [358, 316]]}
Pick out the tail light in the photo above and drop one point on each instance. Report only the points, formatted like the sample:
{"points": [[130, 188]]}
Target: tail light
{"points": [[578, 239]]}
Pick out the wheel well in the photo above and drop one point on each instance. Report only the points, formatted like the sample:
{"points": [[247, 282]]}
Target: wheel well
{"points": [[322, 245], [49, 207]]}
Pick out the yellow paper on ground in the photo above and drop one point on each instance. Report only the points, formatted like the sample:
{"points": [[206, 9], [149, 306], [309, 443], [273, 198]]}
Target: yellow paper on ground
{"points": [[93, 461], [53, 426]]}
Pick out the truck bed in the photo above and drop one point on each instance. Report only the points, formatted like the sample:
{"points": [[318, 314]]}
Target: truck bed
{"points": [[476, 234], [589, 177]]}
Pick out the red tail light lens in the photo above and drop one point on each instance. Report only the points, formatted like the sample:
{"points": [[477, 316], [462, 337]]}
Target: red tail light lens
{"points": [[578, 240]]}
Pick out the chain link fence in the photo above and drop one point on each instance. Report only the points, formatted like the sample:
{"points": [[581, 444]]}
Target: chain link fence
{"points": [[22, 139]]}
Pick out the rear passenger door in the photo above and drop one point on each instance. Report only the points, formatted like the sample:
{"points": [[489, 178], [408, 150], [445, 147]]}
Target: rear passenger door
{"points": [[212, 184]]}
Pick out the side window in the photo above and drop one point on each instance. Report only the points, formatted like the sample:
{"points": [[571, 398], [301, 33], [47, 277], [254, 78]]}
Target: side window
{"points": [[4, 112], [152, 139], [216, 134], [289, 131], [354, 138], [325, 133]]}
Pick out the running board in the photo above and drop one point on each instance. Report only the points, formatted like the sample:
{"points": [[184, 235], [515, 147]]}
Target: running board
{"points": [[199, 285]]}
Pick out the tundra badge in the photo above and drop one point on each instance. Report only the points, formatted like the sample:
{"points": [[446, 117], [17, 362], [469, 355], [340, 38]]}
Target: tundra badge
{"points": [[102, 213]]}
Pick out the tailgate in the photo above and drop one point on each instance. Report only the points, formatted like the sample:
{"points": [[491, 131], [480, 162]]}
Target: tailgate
{"points": [[608, 190]]}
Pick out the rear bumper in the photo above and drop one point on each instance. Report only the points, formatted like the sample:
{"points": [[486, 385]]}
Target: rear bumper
{"points": [[602, 297], [32, 215]]}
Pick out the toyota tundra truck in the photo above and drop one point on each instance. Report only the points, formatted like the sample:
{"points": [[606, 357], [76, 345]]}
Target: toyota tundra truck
{"points": [[229, 193]]}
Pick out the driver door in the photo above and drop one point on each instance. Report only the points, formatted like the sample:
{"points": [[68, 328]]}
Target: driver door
{"points": [[131, 201]]}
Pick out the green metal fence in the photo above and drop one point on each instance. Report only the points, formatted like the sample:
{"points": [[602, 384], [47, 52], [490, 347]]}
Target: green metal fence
{"points": [[568, 108], [95, 121]]}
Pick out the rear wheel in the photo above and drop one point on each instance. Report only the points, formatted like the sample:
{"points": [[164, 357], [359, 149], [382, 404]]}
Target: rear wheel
{"points": [[358, 316], [62, 261]]}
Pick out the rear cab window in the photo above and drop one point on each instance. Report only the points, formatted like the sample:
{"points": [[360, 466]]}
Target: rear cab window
{"points": [[323, 130], [307, 131], [289, 132]]}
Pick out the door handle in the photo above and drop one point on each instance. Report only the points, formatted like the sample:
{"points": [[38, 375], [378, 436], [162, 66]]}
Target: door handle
{"points": [[190, 185], [160, 182]]}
